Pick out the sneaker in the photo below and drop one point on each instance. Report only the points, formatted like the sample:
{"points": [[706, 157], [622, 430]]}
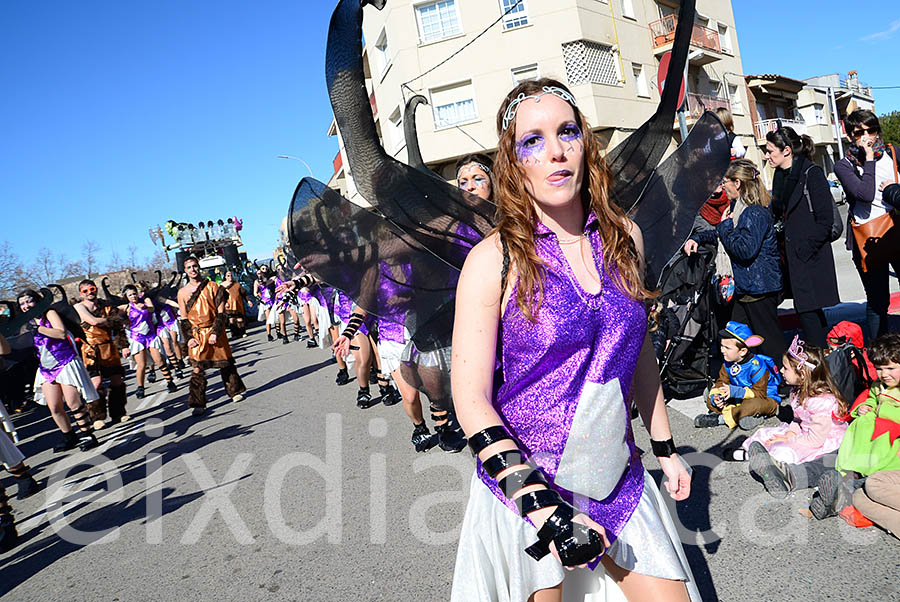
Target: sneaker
{"points": [[342, 377], [296, 336], [422, 439], [310, 344], [237, 398], [151, 378], [451, 438], [854, 517], [825, 504], [748, 423], [178, 373], [775, 475], [139, 392], [707, 420], [736, 454], [98, 424], [69, 441], [269, 336], [87, 441], [27, 487], [198, 411], [171, 387], [392, 399], [364, 399]]}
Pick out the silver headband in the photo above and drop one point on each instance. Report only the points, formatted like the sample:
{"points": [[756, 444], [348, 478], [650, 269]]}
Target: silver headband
{"points": [[483, 167], [513, 107]]}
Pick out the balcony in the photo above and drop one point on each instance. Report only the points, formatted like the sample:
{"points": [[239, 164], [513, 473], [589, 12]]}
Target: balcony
{"points": [[663, 34], [698, 103], [765, 126]]}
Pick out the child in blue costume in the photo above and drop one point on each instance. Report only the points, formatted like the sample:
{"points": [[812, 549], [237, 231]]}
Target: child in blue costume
{"points": [[746, 391]]}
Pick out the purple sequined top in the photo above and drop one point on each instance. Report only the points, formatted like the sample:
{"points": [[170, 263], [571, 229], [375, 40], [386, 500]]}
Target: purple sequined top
{"points": [[566, 382], [391, 321], [265, 295], [142, 328], [165, 317], [54, 354], [344, 308]]}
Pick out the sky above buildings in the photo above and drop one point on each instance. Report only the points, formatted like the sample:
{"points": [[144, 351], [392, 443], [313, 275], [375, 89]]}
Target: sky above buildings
{"points": [[117, 116]]}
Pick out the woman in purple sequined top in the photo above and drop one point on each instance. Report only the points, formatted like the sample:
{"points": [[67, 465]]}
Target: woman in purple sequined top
{"points": [[143, 339], [555, 294], [62, 378]]}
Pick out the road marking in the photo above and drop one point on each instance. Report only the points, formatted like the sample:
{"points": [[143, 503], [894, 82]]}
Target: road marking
{"points": [[148, 400]]}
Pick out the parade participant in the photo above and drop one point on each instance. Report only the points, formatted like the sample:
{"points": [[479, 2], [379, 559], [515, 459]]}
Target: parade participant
{"points": [[9, 537], [816, 429], [202, 307], [264, 291], [143, 339], [234, 305], [310, 319], [865, 172], [556, 295], [355, 331], [101, 323], [11, 457], [170, 335], [61, 378], [473, 174], [286, 302]]}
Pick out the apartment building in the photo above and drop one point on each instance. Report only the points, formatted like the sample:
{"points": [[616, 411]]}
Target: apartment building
{"points": [[606, 51], [815, 106]]}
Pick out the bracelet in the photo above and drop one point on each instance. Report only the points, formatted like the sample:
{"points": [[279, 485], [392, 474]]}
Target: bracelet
{"points": [[663, 449], [488, 436]]}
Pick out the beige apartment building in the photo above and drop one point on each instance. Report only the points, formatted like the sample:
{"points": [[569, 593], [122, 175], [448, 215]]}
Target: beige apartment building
{"points": [[606, 51]]}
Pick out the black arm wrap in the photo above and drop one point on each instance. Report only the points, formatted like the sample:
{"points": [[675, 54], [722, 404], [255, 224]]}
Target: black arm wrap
{"points": [[304, 281], [356, 321], [501, 461], [576, 544], [663, 449], [488, 436]]}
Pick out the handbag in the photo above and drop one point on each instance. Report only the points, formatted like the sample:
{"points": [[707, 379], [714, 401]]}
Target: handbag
{"points": [[878, 240]]}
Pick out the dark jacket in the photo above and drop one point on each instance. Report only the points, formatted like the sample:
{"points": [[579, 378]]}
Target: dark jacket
{"points": [[753, 251], [810, 261]]}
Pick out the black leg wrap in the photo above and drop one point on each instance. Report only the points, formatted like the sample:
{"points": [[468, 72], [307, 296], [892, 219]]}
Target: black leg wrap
{"points": [[197, 390], [8, 534], [117, 400]]}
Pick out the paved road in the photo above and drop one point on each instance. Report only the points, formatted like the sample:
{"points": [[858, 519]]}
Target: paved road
{"points": [[294, 494]]}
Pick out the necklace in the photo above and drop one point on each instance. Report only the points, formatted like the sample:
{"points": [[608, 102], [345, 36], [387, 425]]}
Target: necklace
{"points": [[571, 240]]}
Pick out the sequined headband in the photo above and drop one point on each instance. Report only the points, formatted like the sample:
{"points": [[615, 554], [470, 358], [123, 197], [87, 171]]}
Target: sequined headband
{"points": [[796, 351], [483, 167], [513, 107]]}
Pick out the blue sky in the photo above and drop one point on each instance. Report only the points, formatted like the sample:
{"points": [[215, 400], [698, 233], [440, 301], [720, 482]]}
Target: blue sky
{"points": [[119, 115]]}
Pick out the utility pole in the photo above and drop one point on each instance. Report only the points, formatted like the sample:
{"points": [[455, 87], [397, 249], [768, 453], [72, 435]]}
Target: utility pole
{"points": [[837, 124]]}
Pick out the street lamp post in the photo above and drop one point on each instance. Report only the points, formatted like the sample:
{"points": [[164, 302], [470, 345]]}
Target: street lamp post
{"points": [[301, 161]]}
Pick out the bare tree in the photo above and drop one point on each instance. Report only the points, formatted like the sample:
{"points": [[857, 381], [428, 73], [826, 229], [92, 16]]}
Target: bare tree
{"points": [[158, 261], [115, 262], [13, 277], [89, 252], [132, 260]]}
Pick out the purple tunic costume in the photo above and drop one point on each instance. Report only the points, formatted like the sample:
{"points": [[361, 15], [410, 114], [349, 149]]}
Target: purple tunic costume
{"points": [[391, 324], [566, 380], [166, 318], [343, 308], [142, 329], [304, 297], [54, 354], [265, 295]]}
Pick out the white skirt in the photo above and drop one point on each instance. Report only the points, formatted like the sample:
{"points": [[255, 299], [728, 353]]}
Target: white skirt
{"points": [[134, 347], [324, 319], [9, 454], [74, 374], [492, 566], [390, 353]]}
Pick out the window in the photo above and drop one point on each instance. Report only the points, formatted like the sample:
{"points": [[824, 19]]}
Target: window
{"points": [[521, 74], [453, 104], [438, 20], [382, 54], [725, 39], [640, 81], [398, 139], [590, 62], [820, 114], [737, 104], [779, 110], [627, 8], [517, 15]]}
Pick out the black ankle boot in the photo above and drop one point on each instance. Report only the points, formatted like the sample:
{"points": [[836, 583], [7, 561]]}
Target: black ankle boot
{"points": [[180, 364], [269, 336], [171, 387], [139, 392], [86, 441], [27, 487], [9, 537], [389, 395], [364, 399], [151, 378], [311, 343], [451, 436], [422, 439], [342, 377], [285, 340], [69, 441]]}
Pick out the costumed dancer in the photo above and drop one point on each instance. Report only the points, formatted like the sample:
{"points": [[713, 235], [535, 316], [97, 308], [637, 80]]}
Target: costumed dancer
{"points": [[559, 287], [143, 339], [169, 334], [102, 323], [355, 330], [61, 380], [11, 457], [234, 306], [264, 291], [286, 302], [310, 318], [202, 308]]}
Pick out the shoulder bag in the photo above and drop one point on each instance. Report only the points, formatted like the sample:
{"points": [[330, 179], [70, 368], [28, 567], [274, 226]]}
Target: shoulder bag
{"points": [[878, 240]]}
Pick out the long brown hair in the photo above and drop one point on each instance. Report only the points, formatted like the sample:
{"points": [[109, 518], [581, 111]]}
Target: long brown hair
{"points": [[516, 214], [753, 192], [815, 381]]}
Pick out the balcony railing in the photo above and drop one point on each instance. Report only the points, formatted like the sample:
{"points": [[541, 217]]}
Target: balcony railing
{"points": [[663, 32], [698, 103], [770, 125]]}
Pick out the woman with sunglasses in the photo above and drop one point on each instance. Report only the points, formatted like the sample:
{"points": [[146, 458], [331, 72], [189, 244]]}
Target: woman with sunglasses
{"points": [[62, 380], [802, 202], [867, 172]]}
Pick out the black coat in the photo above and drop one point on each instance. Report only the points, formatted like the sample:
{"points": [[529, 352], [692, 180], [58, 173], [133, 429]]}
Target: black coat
{"points": [[810, 262]]}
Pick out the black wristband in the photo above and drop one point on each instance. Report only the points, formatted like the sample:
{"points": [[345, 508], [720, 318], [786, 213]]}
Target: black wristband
{"points": [[501, 461], [535, 500], [491, 434], [521, 478], [663, 449]]}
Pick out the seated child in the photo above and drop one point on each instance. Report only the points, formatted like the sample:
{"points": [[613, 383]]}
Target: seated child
{"points": [[746, 391], [816, 429], [872, 441]]}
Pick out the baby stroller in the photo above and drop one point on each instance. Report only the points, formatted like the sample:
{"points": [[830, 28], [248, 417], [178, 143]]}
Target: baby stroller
{"points": [[687, 314]]}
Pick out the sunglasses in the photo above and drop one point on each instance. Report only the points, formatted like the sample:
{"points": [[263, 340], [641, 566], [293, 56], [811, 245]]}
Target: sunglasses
{"points": [[88, 290], [860, 131]]}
